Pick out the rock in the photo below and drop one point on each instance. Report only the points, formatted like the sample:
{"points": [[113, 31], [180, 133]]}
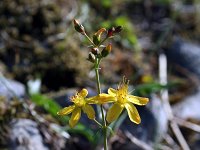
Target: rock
{"points": [[25, 135], [35, 41], [195, 144], [146, 130], [156, 107], [188, 107], [10, 88], [34, 86], [185, 54]]}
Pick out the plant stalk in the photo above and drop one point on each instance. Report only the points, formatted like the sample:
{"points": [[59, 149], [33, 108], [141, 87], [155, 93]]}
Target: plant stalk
{"points": [[89, 39], [97, 62]]}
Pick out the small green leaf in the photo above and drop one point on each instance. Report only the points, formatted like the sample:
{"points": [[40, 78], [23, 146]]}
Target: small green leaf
{"points": [[49, 105], [148, 88]]}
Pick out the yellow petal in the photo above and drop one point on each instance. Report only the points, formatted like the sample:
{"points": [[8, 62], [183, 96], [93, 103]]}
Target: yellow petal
{"points": [[138, 100], [132, 113], [83, 93], [92, 100], [101, 99], [76, 114], [114, 112], [88, 109], [112, 91], [66, 110], [105, 98]]}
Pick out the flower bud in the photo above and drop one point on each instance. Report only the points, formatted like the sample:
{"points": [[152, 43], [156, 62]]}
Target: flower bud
{"points": [[114, 30], [79, 27], [110, 32], [97, 36], [106, 50], [95, 51], [96, 39], [91, 57], [118, 29]]}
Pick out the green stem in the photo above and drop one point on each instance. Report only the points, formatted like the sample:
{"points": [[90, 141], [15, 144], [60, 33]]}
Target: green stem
{"points": [[97, 62], [89, 38], [105, 138], [97, 75], [98, 123], [102, 41]]}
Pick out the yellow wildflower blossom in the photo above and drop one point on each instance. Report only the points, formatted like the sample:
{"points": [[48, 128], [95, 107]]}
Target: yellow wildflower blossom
{"points": [[80, 103], [124, 100]]}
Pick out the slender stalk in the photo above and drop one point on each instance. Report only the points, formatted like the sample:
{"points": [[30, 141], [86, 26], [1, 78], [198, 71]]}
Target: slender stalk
{"points": [[98, 123], [103, 125], [105, 138], [97, 62], [97, 75], [89, 38], [102, 41]]}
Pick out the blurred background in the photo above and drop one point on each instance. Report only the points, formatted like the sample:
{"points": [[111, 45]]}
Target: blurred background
{"points": [[43, 62]]}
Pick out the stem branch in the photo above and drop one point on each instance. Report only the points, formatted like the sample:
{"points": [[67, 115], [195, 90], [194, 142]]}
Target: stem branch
{"points": [[97, 62], [89, 38], [98, 123]]}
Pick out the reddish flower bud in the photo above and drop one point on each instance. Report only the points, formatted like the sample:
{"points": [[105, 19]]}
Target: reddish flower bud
{"points": [[95, 51], [114, 30], [79, 27], [118, 29], [110, 32], [106, 50], [97, 36]]}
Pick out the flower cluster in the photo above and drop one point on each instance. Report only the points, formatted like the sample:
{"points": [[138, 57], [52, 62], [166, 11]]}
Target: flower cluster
{"points": [[119, 97]]}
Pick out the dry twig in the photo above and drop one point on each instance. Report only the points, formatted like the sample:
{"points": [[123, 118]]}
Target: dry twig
{"points": [[170, 141], [165, 98], [187, 124], [138, 142]]}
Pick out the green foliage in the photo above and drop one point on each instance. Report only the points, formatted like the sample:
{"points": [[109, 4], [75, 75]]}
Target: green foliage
{"points": [[148, 88], [129, 29], [162, 2], [106, 3], [49, 105]]}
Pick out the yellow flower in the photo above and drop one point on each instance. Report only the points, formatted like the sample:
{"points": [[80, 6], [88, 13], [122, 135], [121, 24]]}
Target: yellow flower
{"points": [[80, 103], [124, 100], [102, 98]]}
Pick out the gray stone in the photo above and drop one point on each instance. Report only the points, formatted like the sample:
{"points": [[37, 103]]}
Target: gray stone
{"points": [[10, 88], [188, 107], [157, 108], [24, 135], [146, 130], [185, 54]]}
